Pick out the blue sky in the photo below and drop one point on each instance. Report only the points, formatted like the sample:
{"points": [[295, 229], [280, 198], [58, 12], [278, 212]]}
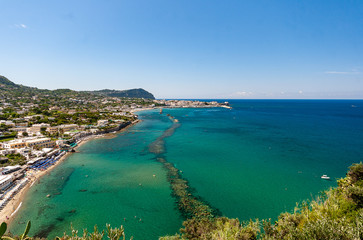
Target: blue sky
{"points": [[186, 48]]}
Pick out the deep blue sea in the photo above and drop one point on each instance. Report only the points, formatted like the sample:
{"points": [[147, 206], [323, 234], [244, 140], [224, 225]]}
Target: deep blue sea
{"points": [[255, 160]]}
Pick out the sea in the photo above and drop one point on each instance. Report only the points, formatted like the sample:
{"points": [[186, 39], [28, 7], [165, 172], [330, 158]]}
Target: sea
{"points": [[256, 160]]}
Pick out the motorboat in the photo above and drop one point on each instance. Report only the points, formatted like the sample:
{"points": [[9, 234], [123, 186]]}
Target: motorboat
{"points": [[325, 177]]}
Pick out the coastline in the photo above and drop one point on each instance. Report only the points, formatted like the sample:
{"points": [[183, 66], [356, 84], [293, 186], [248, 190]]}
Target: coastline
{"points": [[9, 212], [11, 209]]}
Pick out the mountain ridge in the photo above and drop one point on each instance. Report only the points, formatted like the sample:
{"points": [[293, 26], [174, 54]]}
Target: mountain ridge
{"points": [[6, 85]]}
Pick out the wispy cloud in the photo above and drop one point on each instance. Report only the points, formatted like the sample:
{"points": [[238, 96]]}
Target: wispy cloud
{"points": [[240, 94], [243, 94], [21, 26], [343, 73]]}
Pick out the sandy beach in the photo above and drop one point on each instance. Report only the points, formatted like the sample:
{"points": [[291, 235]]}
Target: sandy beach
{"points": [[9, 212]]}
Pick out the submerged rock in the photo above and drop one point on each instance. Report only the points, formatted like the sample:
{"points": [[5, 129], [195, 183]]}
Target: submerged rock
{"points": [[72, 211]]}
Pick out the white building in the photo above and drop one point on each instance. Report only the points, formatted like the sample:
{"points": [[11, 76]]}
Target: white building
{"points": [[7, 122], [102, 123], [10, 169], [5, 181], [29, 142]]}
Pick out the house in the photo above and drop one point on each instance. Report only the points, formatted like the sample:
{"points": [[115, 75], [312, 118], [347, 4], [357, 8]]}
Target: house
{"points": [[40, 142], [10, 169], [102, 123], [18, 129], [29, 142], [18, 143], [7, 122], [53, 130], [54, 108], [68, 127], [21, 124], [6, 151], [37, 127]]}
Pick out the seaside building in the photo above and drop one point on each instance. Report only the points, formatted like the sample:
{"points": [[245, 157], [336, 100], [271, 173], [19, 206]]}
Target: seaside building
{"points": [[102, 123], [53, 130], [37, 127], [41, 142], [68, 127], [5, 181], [21, 124], [29, 142], [18, 129], [14, 144], [10, 169], [7, 123], [7, 151]]}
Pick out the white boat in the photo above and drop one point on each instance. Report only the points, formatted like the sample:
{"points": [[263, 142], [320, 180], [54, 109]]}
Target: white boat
{"points": [[325, 177]]}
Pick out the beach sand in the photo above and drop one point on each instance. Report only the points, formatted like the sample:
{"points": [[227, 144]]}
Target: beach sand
{"points": [[8, 213]]}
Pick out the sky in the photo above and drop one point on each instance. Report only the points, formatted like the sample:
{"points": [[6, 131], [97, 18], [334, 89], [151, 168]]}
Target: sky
{"points": [[287, 49]]}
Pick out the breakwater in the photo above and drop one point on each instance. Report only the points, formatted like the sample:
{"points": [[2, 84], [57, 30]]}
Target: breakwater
{"points": [[189, 204]]}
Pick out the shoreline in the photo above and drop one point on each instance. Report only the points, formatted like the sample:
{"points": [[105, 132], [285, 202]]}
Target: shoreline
{"points": [[11, 209], [9, 212]]}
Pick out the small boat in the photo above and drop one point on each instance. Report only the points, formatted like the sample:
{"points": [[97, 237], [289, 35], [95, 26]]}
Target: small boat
{"points": [[325, 177]]}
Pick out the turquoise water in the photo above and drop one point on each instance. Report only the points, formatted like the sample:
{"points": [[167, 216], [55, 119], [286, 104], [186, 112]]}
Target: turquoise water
{"points": [[253, 161]]}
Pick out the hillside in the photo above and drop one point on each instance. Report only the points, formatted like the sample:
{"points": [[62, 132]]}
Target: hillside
{"points": [[9, 88], [4, 82], [131, 93]]}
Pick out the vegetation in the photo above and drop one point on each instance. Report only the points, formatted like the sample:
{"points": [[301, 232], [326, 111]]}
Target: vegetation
{"points": [[17, 90], [24, 236], [14, 159], [111, 233], [132, 93]]}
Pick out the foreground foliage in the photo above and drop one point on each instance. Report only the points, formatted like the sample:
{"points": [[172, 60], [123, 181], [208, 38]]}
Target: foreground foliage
{"points": [[336, 214], [110, 233]]}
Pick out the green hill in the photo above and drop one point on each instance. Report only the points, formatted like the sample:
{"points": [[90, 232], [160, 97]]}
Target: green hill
{"points": [[9, 88], [4, 82], [131, 93]]}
